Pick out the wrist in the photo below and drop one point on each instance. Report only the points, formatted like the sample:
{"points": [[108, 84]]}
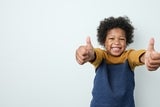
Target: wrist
{"points": [[93, 57], [142, 58]]}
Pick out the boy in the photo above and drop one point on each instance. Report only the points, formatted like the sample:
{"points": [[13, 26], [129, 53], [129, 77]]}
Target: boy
{"points": [[114, 80]]}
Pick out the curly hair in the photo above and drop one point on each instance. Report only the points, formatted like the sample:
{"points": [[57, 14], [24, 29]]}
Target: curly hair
{"points": [[112, 22]]}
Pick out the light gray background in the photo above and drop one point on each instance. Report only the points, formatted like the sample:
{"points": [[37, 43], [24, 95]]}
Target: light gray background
{"points": [[38, 39]]}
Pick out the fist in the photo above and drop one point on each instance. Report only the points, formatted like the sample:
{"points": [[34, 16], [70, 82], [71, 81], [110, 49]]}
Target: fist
{"points": [[85, 53], [152, 58]]}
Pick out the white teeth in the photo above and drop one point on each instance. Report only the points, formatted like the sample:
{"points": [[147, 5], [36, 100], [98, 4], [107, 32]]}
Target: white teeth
{"points": [[115, 49]]}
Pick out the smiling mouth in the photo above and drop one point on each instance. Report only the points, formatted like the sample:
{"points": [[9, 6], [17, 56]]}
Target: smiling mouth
{"points": [[116, 49]]}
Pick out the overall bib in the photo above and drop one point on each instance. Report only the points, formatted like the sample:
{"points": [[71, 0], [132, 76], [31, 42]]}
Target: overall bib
{"points": [[113, 86]]}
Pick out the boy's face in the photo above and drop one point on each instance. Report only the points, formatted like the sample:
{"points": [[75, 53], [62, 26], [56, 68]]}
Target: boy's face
{"points": [[115, 42]]}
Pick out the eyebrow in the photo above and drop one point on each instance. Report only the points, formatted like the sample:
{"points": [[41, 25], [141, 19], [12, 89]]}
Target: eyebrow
{"points": [[114, 35]]}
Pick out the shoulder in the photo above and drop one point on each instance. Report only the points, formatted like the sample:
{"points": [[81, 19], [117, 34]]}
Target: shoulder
{"points": [[133, 52], [99, 50]]}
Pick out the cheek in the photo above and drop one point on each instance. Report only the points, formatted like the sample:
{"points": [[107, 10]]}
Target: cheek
{"points": [[107, 45], [124, 44]]}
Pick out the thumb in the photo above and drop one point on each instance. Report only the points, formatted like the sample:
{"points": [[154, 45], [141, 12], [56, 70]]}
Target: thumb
{"points": [[88, 42], [151, 45]]}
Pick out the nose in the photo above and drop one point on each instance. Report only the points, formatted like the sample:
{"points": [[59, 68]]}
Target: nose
{"points": [[116, 41]]}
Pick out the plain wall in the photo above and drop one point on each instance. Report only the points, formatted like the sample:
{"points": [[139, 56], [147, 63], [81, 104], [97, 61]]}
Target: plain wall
{"points": [[38, 39]]}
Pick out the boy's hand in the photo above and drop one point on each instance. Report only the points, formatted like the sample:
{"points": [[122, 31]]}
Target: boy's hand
{"points": [[85, 53], [152, 58]]}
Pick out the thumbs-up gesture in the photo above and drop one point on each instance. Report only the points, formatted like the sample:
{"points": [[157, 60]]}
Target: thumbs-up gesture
{"points": [[85, 53], [152, 58]]}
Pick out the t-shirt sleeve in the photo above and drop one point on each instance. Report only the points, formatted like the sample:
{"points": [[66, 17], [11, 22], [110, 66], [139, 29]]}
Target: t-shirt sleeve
{"points": [[134, 58], [99, 57]]}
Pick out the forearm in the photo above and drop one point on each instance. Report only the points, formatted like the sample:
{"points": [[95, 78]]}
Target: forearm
{"points": [[142, 58]]}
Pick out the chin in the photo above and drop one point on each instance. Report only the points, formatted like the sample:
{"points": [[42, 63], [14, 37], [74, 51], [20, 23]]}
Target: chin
{"points": [[116, 54]]}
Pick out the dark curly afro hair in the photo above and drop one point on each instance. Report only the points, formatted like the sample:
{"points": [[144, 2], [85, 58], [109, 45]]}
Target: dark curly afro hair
{"points": [[112, 22]]}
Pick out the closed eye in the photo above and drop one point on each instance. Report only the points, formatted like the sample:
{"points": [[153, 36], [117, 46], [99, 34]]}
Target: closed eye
{"points": [[122, 39], [111, 38]]}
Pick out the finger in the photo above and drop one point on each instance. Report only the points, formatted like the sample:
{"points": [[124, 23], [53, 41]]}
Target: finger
{"points": [[152, 64], [155, 55], [82, 51], [152, 69], [81, 58], [151, 45], [79, 61], [155, 62], [88, 42]]}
